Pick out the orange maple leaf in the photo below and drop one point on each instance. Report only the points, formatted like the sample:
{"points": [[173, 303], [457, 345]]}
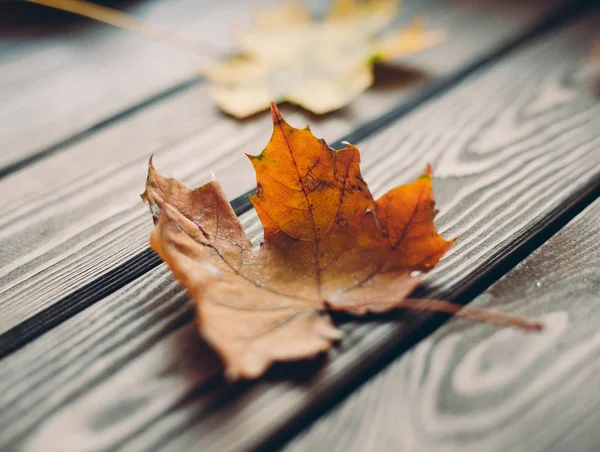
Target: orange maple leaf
{"points": [[328, 246]]}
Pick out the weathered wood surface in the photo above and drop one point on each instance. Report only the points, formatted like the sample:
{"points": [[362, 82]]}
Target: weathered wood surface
{"points": [[69, 77], [471, 387], [74, 217], [59, 80], [129, 373]]}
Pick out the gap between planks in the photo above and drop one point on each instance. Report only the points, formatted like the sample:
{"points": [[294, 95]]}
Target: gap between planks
{"points": [[48, 152]]}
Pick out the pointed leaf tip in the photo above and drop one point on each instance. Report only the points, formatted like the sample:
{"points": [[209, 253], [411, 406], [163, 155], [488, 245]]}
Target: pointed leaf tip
{"points": [[276, 114]]}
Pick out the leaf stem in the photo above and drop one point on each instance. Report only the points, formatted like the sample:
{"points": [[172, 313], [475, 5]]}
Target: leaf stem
{"points": [[473, 313]]}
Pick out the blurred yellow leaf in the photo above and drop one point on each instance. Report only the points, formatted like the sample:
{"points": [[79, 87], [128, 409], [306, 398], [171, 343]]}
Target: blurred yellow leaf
{"points": [[320, 65]]}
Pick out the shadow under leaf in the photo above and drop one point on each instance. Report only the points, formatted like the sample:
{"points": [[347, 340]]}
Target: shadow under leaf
{"points": [[390, 79]]}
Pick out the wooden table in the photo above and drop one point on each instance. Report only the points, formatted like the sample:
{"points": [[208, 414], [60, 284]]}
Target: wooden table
{"points": [[97, 346]]}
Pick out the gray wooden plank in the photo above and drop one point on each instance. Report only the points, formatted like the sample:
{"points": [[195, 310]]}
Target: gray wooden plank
{"points": [[510, 146], [63, 81], [73, 217], [60, 82], [470, 387]]}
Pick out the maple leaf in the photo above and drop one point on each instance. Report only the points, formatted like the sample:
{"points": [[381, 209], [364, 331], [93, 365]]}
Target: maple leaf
{"points": [[328, 246], [321, 66]]}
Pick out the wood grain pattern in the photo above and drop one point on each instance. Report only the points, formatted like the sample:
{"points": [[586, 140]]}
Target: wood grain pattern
{"points": [[75, 216], [65, 80], [73, 76], [112, 377], [470, 387]]}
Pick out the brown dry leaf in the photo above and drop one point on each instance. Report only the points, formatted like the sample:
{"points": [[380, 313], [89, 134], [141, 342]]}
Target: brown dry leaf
{"points": [[328, 246], [321, 66]]}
